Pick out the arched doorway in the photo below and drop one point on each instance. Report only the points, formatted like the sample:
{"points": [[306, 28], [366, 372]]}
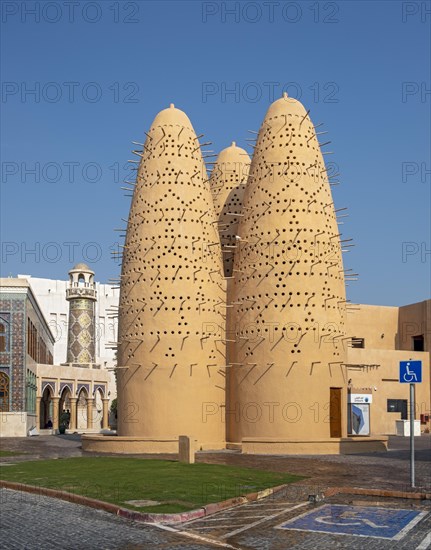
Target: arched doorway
{"points": [[98, 409], [4, 392], [46, 408], [81, 410], [65, 407]]}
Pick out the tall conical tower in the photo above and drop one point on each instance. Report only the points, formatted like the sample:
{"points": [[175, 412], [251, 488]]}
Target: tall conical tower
{"points": [[287, 377], [227, 183], [172, 299], [81, 295]]}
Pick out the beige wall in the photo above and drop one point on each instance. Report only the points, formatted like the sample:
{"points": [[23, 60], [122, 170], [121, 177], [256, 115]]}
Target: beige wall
{"points": [[382, 383], [227, 182], [13, 424], [288, 297], [378, 325], [415, 319], [171, 364], [385, 346]]}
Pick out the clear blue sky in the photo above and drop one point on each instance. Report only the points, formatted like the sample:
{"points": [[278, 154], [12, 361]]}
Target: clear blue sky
{"points": [[102, 70]]}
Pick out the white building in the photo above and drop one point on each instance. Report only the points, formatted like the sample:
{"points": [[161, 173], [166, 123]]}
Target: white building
{"points": [[51, 296]]}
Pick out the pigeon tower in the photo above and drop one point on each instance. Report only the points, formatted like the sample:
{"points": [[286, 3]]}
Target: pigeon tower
{"points": [[171, 368], [287, 373]]}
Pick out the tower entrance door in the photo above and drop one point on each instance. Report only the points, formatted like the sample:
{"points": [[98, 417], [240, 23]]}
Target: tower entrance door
{"points": [[335, 412]]}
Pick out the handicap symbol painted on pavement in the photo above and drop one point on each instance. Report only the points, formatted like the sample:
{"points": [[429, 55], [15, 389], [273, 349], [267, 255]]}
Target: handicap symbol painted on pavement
{"points": [[329, 520], [366, 521]]}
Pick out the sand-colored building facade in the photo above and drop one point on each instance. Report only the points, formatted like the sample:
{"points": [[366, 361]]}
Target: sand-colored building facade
{"points": [[382, 337], [252, 345], [172, 294]]}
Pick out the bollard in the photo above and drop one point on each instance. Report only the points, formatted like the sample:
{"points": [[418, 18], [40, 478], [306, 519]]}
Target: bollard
{"points": [[187, 447]]}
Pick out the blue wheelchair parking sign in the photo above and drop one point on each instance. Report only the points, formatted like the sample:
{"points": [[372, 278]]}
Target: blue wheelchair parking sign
{"points": [[410, 372]]}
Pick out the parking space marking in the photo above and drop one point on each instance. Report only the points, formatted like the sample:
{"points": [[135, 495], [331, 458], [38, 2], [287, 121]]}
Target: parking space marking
{"points": [[248, 517], [283, 503], [359, 521], [236, 520], [268, 509], [235, 515], [426, 543], [226, 517], [212, 527], [267, 518], [410, 526], [194, 536]]}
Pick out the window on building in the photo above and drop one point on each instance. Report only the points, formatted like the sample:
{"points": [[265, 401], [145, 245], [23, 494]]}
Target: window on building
{"points": [[29, 336], [358, 342], [42, 358], [32, 340], [398, 406], [418, 343], [4, 332], [63, 320], [30, 393], [4, 392]]}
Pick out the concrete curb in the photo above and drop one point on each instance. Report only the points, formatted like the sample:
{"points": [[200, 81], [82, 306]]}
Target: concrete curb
{"points": [[206, 510], [376, 493]]}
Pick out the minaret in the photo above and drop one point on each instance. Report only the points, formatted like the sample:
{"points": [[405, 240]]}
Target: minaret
{"points": [[81, 295], [171, 355], [289, 297]]}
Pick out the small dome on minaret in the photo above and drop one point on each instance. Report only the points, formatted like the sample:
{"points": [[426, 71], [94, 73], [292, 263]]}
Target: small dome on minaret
{"points": [[81, 267], [81, 276]]}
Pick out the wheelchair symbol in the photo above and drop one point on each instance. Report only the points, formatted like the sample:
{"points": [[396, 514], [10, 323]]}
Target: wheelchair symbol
{"points": [[409, 375], [354, 518]]}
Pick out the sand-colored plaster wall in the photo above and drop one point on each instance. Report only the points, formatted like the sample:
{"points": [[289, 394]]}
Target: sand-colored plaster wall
{"points": [[171, 359], [415, 319], [377, 325], [289, 296], [382, 383]]}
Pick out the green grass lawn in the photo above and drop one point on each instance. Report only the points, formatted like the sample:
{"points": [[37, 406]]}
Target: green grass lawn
{"points": [[10, 453], [177, 486]]}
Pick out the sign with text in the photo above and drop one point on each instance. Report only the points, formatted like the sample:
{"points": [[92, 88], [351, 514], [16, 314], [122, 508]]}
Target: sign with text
{"points": [[360, 398]]}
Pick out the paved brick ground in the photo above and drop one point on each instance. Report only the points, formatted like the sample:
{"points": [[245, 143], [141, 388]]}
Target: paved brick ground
{"points": [[252, 526], [33, 522]]}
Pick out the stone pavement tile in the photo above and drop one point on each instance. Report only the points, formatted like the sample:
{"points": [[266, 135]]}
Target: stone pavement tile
{"points": [[45, 523], [41, 447], [32, 522], [388, 470], [267, 537]]}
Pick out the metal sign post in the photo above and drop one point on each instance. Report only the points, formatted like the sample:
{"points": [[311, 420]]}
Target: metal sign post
{"points": [[411, 373], [412, 435]]}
